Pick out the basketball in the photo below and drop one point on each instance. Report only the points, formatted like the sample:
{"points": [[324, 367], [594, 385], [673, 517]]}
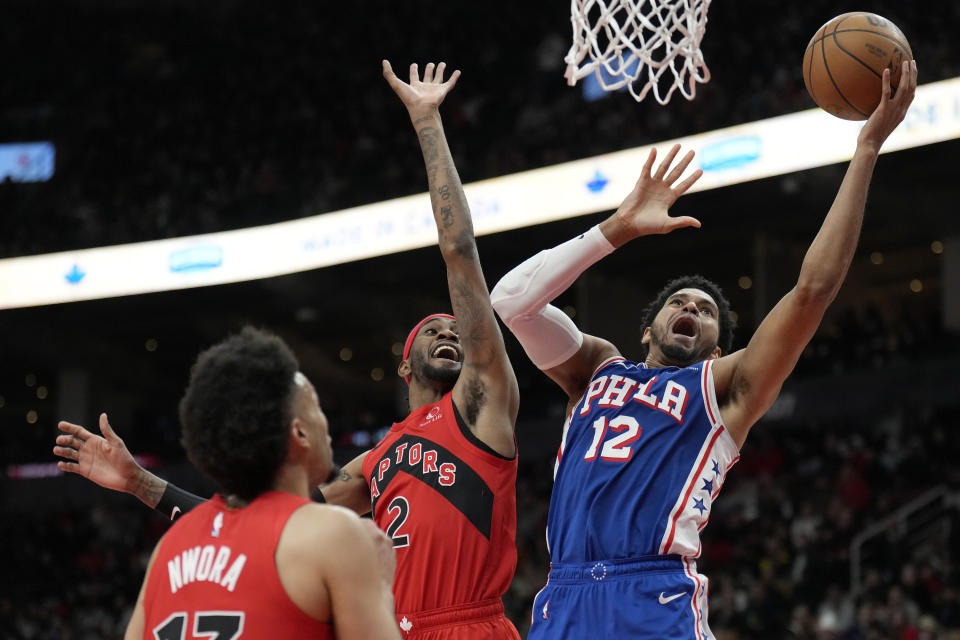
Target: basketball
{"points": [[844, 62]]}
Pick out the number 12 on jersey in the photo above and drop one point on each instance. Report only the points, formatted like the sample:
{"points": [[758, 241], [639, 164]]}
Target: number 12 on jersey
{"points": [[617, 448]]}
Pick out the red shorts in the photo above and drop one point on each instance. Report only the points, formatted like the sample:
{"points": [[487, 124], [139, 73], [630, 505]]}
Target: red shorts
{"points": [[482, 620]]}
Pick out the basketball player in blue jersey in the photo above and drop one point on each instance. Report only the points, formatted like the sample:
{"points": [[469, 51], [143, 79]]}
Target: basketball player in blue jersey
{"points": [[647, 445]]}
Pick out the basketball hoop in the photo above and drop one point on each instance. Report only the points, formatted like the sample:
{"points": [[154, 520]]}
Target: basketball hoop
{"points": [[634, 43]]}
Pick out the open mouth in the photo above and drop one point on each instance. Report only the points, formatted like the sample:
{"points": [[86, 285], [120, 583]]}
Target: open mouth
{"points": [[446, 352], [685, 325]]}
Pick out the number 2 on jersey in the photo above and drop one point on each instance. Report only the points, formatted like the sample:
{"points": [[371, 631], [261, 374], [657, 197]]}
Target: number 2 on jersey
{"points": [[402, 508], [618, 448]]}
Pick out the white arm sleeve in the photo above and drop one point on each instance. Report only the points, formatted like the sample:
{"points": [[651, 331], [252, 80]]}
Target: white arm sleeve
{"points": [[521, 298]]}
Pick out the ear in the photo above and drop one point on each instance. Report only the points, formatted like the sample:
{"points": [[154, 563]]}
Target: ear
{"points": [[647, 336], [404, 369], [716, 353], [298, 435]]}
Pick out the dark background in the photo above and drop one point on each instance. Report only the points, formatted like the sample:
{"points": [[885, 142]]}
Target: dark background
{"points": [[173, 118]]}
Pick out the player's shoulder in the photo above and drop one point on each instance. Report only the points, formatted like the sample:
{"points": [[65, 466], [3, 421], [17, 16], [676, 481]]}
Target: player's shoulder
{"points": [[315, 522], [316, 512], [324, 535], [322, 541], [613, 362], [724, 366]]}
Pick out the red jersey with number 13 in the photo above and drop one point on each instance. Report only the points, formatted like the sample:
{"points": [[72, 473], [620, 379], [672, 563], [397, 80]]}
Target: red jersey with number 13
{"points": [[215, 577], [449, 504]]}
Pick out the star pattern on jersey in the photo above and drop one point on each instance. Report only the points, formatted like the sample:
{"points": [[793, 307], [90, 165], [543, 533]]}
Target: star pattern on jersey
{"points": [[699, 506], [708, 487]]}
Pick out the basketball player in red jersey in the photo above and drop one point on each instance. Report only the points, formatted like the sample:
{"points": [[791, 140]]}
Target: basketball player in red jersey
{"points": [[260, 559], [442, 483]]}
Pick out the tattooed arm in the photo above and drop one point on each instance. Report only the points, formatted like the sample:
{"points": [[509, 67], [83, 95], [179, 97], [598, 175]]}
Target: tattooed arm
{"points": [[106, 461], [486, 391], [349, 489]]}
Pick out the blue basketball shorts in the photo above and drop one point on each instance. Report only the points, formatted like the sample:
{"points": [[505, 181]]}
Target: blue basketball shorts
{"points": [[645, 598]]}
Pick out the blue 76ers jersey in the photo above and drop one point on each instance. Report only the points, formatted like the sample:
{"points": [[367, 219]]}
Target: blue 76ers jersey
{"points": [[643, 456]]}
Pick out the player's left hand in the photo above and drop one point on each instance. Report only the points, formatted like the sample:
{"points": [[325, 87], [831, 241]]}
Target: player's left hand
{"points": [[425, 94]]}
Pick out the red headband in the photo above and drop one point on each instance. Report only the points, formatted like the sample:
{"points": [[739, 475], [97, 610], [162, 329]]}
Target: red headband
{"points": [[413, 334]]}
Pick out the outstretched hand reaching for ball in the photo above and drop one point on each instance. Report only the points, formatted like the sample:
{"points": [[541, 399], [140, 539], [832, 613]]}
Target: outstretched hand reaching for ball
{"points": [[646, 210], [892, 109]]}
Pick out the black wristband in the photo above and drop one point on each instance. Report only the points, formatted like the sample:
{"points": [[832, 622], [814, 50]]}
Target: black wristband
{"points": [[175, 502]]}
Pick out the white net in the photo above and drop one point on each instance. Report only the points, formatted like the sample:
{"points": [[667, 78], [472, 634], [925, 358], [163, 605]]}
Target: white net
{"points": [[635, 43]]}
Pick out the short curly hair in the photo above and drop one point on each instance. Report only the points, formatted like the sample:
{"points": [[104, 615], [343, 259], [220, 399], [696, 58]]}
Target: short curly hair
{"points": [[726, 323], [236, 410]]}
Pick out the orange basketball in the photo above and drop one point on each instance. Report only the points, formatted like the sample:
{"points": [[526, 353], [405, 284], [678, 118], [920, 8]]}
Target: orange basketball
{"points": [[844, 62]]}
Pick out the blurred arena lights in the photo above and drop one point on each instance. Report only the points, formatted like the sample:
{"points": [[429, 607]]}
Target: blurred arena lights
{"points": [[728, 156], [35, 470]]}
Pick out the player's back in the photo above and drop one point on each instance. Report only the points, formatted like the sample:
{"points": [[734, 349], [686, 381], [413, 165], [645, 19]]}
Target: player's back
{"points": [[644, 454], [215, 573]]}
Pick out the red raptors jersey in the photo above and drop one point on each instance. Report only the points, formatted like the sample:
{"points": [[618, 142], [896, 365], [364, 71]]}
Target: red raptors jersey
{"points": [[449, 504], [214, 576]]}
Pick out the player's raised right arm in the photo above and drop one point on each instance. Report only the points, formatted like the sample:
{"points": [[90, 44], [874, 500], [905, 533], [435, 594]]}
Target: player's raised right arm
{"points": [[486, 391], [749, 381], [522, 297]]}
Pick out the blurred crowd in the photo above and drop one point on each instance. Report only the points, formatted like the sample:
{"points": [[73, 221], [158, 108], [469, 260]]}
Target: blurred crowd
{"points": [[863, 337], [175, 118], [777, 550], [76, 573]]}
